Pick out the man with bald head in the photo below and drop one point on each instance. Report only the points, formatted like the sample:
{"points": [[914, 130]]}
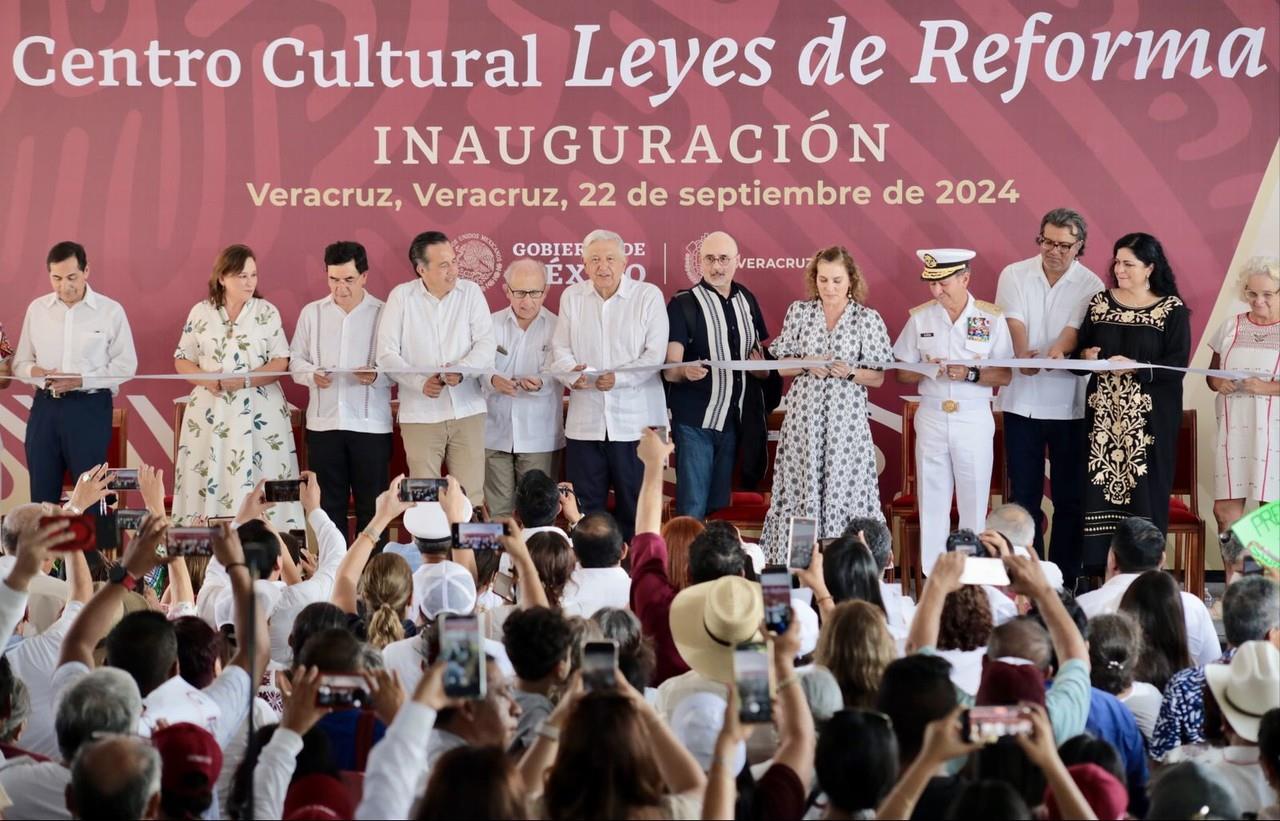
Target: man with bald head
{"points": [[716, 319], [524, 425], [117, 776]]}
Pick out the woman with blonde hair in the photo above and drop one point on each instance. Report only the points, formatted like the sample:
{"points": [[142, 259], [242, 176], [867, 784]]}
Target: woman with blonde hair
{"points": [[826, 463], [855, 646], [386, 588], [1247, 456], [679, 532]]}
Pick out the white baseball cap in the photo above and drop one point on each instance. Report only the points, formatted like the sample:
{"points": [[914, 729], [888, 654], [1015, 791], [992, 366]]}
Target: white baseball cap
{"points": [[444, 587]]}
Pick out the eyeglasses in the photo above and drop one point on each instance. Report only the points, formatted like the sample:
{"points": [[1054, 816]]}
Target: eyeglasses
{"points": [[723, 259], [526, 294], [1050, 245]]}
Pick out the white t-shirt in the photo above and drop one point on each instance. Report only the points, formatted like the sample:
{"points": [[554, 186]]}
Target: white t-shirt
{"points": [[966, 667], [1144, 702], [34, 661]]}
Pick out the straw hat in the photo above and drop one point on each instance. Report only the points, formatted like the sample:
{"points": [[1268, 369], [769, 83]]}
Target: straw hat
{"points": [[709, 620]]}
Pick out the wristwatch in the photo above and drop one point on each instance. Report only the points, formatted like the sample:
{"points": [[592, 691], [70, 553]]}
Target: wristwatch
{"points": [[973, 375], [119, 574]]}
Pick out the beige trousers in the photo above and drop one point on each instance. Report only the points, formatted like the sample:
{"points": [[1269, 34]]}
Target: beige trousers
{"points": [[502, 472], [457, 444]]}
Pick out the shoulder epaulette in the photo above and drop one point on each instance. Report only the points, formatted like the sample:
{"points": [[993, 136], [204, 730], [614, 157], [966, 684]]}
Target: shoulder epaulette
{"points": [[989, 307], [923, 305]]}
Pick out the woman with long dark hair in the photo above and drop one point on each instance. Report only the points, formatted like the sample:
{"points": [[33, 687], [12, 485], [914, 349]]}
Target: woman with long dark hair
{"points": [[1156, 602], [1132, 415]]}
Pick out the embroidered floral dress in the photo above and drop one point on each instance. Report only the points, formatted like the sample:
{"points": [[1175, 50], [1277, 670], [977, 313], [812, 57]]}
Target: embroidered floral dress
{"points": [[1132, 419], [826, 461], [231, 441], [1247, 457]]}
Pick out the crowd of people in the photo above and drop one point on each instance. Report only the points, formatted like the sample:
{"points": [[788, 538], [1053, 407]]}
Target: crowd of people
{"points": [[621, 664]]}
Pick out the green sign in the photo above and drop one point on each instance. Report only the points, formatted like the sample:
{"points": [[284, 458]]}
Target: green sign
{"points": [[1260, 533]]}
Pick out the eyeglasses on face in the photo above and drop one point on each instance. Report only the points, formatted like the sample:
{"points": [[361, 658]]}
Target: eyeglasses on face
{"points": [[1050, 245], [522, 294], [723, 259]]}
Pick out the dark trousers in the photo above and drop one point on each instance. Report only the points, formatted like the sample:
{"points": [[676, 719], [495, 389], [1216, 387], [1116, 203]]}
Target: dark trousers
{"points": [[70, 433], [1025, 443], [349, 465], [593, 467]]}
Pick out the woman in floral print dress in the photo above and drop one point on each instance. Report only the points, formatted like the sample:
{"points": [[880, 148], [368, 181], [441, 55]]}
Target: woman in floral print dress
{"points": [[235, 431], [1132, 416]]}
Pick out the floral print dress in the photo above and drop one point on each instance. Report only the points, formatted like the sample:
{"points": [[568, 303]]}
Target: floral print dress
{"points": [[1132, 419], [826, 462], [230, 442]]}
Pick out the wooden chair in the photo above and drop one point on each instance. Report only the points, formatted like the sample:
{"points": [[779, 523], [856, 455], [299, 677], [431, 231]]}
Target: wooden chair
{"points": [[117, 448], [1186, 529], [903, 513]]}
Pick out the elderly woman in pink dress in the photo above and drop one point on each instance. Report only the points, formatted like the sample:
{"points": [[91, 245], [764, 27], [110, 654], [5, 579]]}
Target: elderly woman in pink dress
{"points": [[1247, 463]]}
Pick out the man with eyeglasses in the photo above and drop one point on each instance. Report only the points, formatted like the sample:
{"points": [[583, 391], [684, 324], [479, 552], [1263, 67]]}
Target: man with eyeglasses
{"points": [[77, 348], [1044, 299], [715, 319], [607, 326], [433, 323], [349, 414], [524, 428]]}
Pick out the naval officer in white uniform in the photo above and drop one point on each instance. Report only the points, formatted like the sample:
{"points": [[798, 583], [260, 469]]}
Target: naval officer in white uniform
{"points": [[954, 426]]}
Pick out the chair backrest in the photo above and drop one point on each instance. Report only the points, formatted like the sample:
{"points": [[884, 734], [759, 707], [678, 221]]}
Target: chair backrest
{"points": [[117, 448], [1184, 469]]}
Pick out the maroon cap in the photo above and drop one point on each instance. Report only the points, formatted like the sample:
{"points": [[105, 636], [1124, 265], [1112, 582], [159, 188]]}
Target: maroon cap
{"points": [[1106, 796], [191, 759], [318, 796], [1004, 683]]}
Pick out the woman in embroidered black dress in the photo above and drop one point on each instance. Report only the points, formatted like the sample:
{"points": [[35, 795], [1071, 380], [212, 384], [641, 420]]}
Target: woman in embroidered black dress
{"points": [[1132, 416]]}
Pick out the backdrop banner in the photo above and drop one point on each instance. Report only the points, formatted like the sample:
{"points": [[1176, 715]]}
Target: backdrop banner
{"points": [[158, 133]]}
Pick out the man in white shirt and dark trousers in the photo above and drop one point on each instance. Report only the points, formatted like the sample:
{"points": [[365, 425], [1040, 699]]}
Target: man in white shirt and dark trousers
{"points": [[955, 430], [524, 428], [1138, 546], [438, 321], [77, 347], [1044, 300], [608, 324], [349, 414]]}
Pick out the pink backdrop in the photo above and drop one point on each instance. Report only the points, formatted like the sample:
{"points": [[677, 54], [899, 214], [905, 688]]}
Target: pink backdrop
{"points": [[153, 180]]}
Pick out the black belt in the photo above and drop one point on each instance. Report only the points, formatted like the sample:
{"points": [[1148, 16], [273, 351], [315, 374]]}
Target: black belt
{"points": [[48, 394]]}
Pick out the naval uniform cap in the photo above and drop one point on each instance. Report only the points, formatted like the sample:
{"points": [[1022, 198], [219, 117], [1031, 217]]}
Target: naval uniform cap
{"points": [[940, 263]]}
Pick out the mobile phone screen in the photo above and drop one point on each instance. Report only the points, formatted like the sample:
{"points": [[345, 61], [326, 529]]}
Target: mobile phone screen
{"points": [[341, 691], [421, 490], [282, 490], [478, 535], [599, 659], [128, 518], [801, 539], [751, 673], [504, 586], [190, 541], [986, 725], [464, 659], [776, 588], [122, 479]]}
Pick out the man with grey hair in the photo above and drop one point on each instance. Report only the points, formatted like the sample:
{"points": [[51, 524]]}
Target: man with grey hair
{"points": [[716, 319], [1250, 612], [608, 326], [116, 777], [1044, 299], [524, 427], [1014, 523], [104, 701]]}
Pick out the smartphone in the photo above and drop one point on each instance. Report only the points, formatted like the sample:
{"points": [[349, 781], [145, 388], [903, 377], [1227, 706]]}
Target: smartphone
{"points": [[190, 541], [504, 586], [122, 479], [987, 725], [282, 490], [421, 490], [982, 570], [463, 655], [599, 660], [341, 691], [217, 520], [802, 538], [83, 531], [130, 518], [965, 541], [479, 535], [751, 674], [775, 584]]}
